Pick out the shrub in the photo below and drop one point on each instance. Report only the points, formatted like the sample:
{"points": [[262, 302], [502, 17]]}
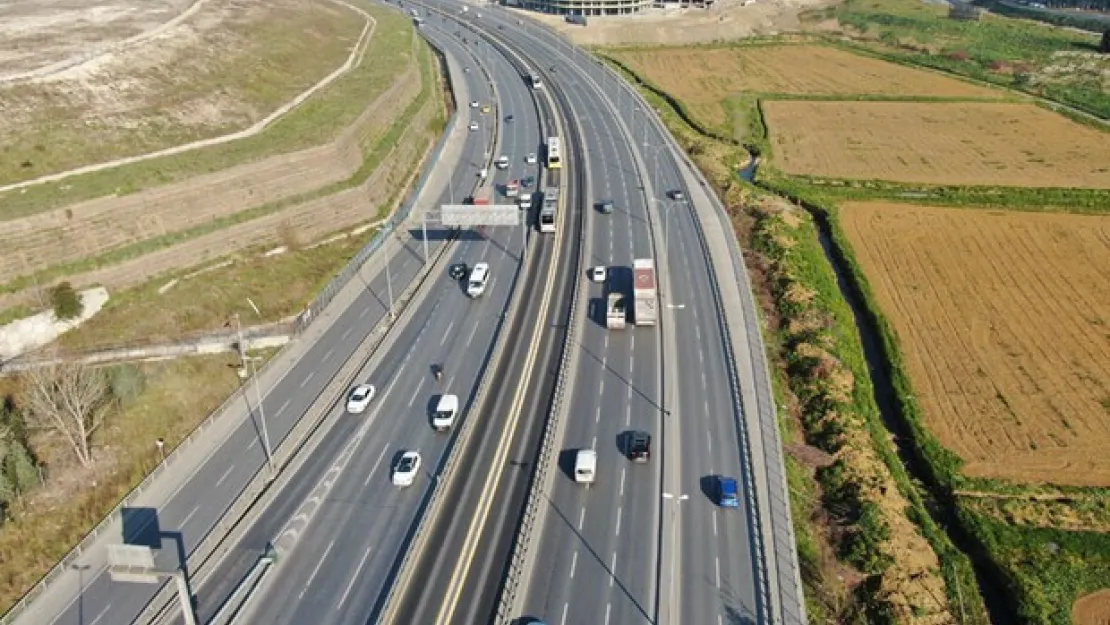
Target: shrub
{"points": [[127, 383], [65, 301]]}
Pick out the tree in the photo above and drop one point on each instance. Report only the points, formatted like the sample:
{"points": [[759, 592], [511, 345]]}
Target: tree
{"points": [[70, 400], [65, 301]]}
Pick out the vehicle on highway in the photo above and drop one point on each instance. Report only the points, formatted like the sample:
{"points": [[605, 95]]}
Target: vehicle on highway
{"points": [[360, 397], [645, 304], [605, 206], [512, 188], [483, 173], [446, 409], [597, 274], [528, 181], [535, 81], [525, 201], [585, 466], [531, 158], [479, 276], [458, 271], [503, 162], [474, 104], [677, 195], [404, 474], [639, 446], [473, 126], [467, 68], [549, 209], [616, 311], [509, 119], [486, 109], [554, 153], [727, 492]]}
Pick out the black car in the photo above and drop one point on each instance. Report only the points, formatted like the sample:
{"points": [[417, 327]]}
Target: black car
{"points": [[677, 195], [509, 118], [458, 271], [639, 446]]}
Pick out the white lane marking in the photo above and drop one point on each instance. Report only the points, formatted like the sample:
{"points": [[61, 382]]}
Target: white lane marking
{"points": [[354, 578], [628, 411], [284, 405], [254, 441], [374, 469], [101, 615], [714, 522], [363, 313], [608, 606], [413, 399], [328, 354], [573, 564], [189, 516], [581, 518], [472, 331], [308, 378], [316, 570], [446, 334], [622, 483], [618, 521], [717, 568], [720, 621], [564, 621], [597, 417], [708, 438], [593, 443], [347, 333], [223, 477], [613, 570]]}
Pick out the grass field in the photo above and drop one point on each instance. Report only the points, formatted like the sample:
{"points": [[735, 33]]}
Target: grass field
{"points": [[315, 122], [1003, 319], [179, 394], [222, 69], [939, 143], [706, 78]]}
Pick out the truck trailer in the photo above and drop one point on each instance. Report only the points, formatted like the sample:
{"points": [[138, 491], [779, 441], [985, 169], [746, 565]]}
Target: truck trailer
{"points": [[646, 304]]}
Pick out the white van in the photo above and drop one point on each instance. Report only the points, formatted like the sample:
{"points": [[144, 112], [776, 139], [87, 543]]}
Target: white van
{"points": [[585, 466], [446, 409], [479, 276]]}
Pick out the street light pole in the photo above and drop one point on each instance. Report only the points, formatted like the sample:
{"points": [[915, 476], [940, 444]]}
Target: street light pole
{"points": [[677, 500], [388, 279], [243, 360]]}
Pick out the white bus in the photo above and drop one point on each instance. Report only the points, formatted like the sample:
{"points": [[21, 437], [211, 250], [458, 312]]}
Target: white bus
{"points": [[554, 153], [549, 208]]}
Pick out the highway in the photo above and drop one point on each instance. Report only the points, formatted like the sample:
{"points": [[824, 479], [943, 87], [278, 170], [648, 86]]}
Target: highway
{"points": [[601, 546], [342, 557], [448, 328]]}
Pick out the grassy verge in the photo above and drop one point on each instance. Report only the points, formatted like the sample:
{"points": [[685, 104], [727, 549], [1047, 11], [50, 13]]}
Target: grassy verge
{"points": [[374, 155], [319, 119], [1003, 51], [178, 395]]}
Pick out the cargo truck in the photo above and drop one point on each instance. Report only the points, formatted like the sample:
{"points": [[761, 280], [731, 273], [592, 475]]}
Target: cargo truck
{"points": [[616, 313], [645, 305]]}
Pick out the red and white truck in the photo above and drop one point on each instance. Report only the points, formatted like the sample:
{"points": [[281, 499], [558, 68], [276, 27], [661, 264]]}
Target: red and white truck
{"points": [[645, 300]]}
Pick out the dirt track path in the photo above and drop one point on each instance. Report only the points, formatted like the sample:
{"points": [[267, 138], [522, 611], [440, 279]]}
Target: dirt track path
{"points": [[353, 60]]}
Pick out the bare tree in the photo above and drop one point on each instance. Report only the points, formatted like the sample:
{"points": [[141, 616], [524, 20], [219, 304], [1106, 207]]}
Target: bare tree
{"points": [[69, 399]]}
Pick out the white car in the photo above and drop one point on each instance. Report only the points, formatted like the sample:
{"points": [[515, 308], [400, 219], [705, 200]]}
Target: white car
{"points": [[597, 274], [404, 474], [503, 162], [446, 409], [530, 159], [473, 126], [360, 398], [466, 69], [474, 104]]}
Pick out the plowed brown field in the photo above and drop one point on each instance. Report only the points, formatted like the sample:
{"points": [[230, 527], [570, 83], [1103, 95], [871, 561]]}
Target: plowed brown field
{"points": [[938, 143], [1004, 321], [1092, 609], [705, 78]]}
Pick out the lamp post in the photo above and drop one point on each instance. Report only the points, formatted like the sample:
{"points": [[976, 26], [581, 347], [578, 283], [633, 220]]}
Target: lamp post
{"points": [[243, 360], [677, 500], [160, 443]]}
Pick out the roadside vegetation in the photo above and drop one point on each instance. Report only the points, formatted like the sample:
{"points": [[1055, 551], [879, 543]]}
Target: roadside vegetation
{"points": [[1035, 541]]}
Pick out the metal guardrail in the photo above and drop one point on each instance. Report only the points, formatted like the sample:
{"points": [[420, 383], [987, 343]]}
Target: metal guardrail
{"points": [[301, 324]]}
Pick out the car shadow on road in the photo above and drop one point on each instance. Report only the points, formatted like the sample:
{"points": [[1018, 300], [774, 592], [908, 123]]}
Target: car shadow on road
{"points": [[582, 539]]}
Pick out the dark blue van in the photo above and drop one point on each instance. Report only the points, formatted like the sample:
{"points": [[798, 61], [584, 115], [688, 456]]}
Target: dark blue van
{"points": [[727, 492]]}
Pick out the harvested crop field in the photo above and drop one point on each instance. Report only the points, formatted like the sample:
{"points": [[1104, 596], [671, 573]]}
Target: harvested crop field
{"points": [[938, 143], [111, 80], [1092, 609], [705, 78], [1004, 322]]}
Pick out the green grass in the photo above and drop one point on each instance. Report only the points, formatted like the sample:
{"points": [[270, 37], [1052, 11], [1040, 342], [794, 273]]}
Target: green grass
{"points": [[372, 159], [179, 394], [316, 121], [917, 33]]}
